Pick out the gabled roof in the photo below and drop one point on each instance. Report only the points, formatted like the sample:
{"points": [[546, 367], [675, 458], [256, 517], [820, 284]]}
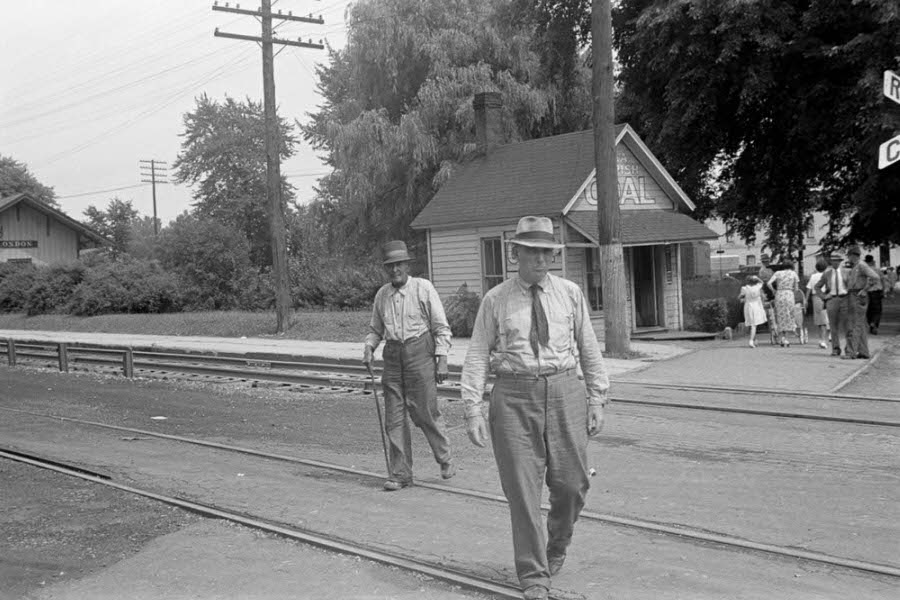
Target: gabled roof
{"points": [[645, 227], [10, 201], [539, 177]]}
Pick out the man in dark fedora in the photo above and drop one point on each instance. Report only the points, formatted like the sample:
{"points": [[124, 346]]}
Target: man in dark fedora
{"points": [[409, 317], [876, 296], [860, 279], [532, 331]]}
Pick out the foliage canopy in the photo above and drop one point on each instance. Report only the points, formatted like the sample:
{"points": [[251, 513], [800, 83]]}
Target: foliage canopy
{"points": [[768, 111]]}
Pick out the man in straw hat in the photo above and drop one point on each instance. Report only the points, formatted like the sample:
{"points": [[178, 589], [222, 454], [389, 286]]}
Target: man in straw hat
{"points": [[409, 316], [531, 331], [832, 289]]}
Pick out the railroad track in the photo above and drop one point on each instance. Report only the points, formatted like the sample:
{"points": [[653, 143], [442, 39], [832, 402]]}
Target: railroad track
{"points": [[687, 533], [343, 375]]}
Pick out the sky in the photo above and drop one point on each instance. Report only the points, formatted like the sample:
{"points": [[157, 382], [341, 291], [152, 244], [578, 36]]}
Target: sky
{"points": [[89, 89]]}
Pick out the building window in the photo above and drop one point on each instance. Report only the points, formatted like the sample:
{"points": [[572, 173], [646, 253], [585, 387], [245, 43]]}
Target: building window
{"points": [[729, 236], [594, 281], [751, 260], [491, 263]]}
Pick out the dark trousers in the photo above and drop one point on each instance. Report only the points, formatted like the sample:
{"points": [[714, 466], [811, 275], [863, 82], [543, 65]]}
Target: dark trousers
{"points": [[409, 387], [857, 327], [837, 307], [539, 431], [873, 313]]}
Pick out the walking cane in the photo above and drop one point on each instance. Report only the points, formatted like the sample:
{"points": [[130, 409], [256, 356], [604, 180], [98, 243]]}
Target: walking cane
{"points": [[387, 461]]}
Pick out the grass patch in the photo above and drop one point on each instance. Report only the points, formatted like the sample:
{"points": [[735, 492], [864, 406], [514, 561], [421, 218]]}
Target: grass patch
{"points": [[331, 326]]}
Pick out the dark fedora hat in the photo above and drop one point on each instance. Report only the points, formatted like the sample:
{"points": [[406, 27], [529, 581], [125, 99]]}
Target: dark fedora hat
{"points": [[536, 232], [394, 252]]}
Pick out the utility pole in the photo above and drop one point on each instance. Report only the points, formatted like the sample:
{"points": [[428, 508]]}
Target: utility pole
{"points": [[150, 168], [612, 261], [273, 159]]}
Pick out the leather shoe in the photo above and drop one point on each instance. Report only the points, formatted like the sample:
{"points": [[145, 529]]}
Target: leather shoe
{"points": [[392, 485], [536, 592], [555, 562], [448, 469]]}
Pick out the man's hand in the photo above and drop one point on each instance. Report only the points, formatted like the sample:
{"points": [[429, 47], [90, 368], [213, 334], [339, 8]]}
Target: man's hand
{"points": [[595, 420], [477, 430], [442, 371], [368, 357], [862, 293]]}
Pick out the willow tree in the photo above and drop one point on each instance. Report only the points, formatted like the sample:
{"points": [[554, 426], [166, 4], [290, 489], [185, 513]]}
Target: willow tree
{"points": [[397, 113]]}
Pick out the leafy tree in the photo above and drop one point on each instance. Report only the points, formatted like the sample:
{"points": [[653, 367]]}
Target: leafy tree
{"points": [[211, 259], [15, 178], [224, 155], [767, 111], [398, 115], [115, 223], [142, 239]]}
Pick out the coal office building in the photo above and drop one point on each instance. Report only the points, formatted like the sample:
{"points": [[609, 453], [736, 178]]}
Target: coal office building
{"points": [[475, 212], [32, 232]]}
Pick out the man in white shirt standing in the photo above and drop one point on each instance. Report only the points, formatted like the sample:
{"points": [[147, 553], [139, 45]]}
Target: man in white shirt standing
{"points": [[409, 317], [532, 331], [832, 289]]}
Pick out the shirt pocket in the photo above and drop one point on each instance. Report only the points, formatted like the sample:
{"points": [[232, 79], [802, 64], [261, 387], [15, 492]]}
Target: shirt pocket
{"points": [[561, 331]]}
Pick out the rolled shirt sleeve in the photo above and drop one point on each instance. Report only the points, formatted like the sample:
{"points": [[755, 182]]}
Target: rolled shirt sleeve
{"points": [[440, 327], [376, 323]]}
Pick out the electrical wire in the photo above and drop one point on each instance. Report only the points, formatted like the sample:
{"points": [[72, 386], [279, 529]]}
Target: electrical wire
{"points": [[98, 192]]}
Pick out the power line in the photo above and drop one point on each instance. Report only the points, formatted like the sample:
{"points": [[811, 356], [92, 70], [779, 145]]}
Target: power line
{"points": [[98, 192]]}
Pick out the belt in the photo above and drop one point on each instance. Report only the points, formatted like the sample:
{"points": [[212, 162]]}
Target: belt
{"points": [[407, 340], [533, 377]]}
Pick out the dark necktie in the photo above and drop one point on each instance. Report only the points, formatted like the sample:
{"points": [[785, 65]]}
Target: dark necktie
{"points": [[540, 331]]}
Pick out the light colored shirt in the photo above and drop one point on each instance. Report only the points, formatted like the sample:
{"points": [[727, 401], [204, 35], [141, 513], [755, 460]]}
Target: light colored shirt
{"points": [[813, 280], [833, 282], [862, 277], [500, 339], [404, 313]]}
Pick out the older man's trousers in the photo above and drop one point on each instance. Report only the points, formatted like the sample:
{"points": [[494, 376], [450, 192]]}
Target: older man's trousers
{"points": [[539, 429], [857, 326], [409, 387]]}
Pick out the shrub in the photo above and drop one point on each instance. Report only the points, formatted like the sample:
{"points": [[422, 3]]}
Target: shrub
{"points": [[461, 309], [53, 288], [125, 287], [334, 284], [710, 314], [15, 281]]}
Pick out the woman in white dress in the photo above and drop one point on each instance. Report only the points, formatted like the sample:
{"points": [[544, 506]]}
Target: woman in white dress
{"points": [[754, 312], [820, 316]]}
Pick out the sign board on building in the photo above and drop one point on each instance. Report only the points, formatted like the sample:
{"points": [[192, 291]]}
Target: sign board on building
{"points": [[892, 86], [889, 152], [18, 244]]}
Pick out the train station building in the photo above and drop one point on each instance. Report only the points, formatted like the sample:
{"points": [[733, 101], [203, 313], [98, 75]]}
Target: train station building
{"points": [[470, 219], [32, 232]]}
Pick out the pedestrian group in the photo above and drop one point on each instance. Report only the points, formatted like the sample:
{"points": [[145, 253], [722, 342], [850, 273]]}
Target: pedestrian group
{"points": [[846, 300]]}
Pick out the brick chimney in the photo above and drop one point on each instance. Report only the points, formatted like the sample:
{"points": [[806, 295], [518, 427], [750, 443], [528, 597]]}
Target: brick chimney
{"points": [[488, 127]]}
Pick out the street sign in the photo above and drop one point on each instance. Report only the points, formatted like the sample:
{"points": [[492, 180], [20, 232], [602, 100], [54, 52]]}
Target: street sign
{"points": [[892, 86], [889, 152]]}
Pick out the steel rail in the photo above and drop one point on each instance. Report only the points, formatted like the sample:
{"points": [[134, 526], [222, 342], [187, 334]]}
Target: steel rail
{"points": [[680, 531], [320, 381], [306, 536]]}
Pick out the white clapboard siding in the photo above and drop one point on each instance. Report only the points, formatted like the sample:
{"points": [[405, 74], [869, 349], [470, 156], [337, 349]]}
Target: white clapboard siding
{"points": [[55, 241]]}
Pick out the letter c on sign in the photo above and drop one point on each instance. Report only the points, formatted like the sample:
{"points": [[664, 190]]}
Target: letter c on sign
{"points": [[893, 150]]}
